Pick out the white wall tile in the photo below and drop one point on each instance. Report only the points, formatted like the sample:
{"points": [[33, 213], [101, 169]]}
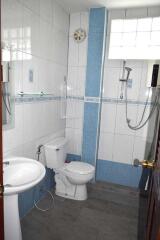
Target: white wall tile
{"points": [[73, 59], [111, 82], [74, 114], [46, 30], [17, 75], [60, 47], [46, 10], [75, 23], [143, 132], [34, 5], [136, 12], [75, 141], [60, 18], [84, 18], [29, 65], [76, 81], [121, 125], [123, 148], [154, 11], [31, 32], [45, 40], [12, 19], [106, 146], [82, 56], [140, 149], [108, 117], [79, 20], [14, 137]]}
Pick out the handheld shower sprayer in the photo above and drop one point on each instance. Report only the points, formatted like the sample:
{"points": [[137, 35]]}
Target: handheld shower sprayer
{"points": [[142, 122], [128, 69]]}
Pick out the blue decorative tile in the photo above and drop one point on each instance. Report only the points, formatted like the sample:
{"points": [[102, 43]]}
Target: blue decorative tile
{"points": [[104, 170], [93, 78], [26, 199], [73, 157], [92, 105], [97, 16], [119, 173], [95, 49], [89, 146]]}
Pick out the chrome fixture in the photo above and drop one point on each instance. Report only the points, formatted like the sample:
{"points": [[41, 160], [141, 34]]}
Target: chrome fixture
{"points": [[144, 163], [6, 163], [39, 151], [155, 105]]}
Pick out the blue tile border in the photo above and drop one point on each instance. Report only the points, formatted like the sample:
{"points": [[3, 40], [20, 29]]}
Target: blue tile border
{"points": [[114, 172], [26, 199], [73, 157], [33, 98], [96, 40], [93, 86], [90, 133], [38, 98], [97, 16], [107, 100], [119, 173]]}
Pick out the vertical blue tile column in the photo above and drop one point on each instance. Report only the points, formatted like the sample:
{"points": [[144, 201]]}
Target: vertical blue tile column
{"points": [[93, 88]]}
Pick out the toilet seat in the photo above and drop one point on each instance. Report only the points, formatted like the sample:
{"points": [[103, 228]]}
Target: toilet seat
{"points": [[79, 168]]}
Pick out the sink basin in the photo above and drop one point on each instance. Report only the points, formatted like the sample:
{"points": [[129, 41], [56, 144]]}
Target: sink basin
{"points": [[19, 174]]}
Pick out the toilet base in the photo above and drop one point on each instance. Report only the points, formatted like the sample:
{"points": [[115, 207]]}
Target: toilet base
{"points": [[66, 189], [79, 193]]}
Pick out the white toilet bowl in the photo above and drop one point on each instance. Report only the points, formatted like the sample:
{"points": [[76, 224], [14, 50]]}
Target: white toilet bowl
{"points": [[71, 178], [79, 172]]}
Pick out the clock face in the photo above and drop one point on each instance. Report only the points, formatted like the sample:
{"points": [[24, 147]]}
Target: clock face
{"points": [[79, 35]]}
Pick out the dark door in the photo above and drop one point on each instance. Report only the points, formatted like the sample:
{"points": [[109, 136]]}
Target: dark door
{"points": [[153, 220], [1, 156]]}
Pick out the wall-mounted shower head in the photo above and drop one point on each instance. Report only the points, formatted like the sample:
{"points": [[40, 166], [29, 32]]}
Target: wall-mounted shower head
{"points": [[128, 69]]}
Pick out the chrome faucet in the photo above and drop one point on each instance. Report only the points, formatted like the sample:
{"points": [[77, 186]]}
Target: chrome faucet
{"points": [[6, 163]]}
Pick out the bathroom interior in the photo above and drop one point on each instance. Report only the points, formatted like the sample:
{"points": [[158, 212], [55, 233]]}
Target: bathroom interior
{"points": [[80, 112]]}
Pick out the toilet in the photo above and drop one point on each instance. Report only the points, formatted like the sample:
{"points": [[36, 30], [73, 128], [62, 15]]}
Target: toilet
{"points": [[71, 178]]}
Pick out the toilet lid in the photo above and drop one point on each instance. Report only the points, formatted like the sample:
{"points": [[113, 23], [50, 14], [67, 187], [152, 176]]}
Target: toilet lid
{"points": [[79, 167]]}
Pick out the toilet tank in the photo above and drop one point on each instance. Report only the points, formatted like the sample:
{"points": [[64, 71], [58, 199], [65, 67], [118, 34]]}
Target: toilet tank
{"points": [[55, 152]]}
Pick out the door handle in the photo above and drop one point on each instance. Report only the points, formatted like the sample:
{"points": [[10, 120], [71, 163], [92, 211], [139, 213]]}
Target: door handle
{"points": [[1, 190], [144, 163]]}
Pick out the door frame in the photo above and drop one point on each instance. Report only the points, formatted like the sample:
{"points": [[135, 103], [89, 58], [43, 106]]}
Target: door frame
{"points": [[1, 146], [153, 221]]}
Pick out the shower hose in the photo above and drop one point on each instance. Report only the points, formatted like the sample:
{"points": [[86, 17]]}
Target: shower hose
{"points": [[44, 190], [155, 105]]}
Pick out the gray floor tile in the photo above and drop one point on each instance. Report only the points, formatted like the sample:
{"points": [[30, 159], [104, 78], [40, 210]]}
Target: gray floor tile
{"points": [[110, 213]]}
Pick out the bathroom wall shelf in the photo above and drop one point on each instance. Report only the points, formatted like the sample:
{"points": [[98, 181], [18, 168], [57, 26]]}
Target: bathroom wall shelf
{"points": [[41, 94]]}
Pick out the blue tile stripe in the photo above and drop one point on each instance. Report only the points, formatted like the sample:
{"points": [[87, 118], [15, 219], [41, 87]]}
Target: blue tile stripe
{"points": [[73, 157], [33, 98], [90, 133], [26, 199], [36, 98], [97, 32], [93, 87], [107, 100], [119, 173], [115, 172]]}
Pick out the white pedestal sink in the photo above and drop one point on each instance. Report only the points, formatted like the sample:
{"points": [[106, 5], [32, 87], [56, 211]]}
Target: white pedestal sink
{"points": [[20, 174]]}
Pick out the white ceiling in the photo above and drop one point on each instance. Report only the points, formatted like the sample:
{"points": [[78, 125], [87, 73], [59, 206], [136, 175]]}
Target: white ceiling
{"points": [[80, 5]]}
